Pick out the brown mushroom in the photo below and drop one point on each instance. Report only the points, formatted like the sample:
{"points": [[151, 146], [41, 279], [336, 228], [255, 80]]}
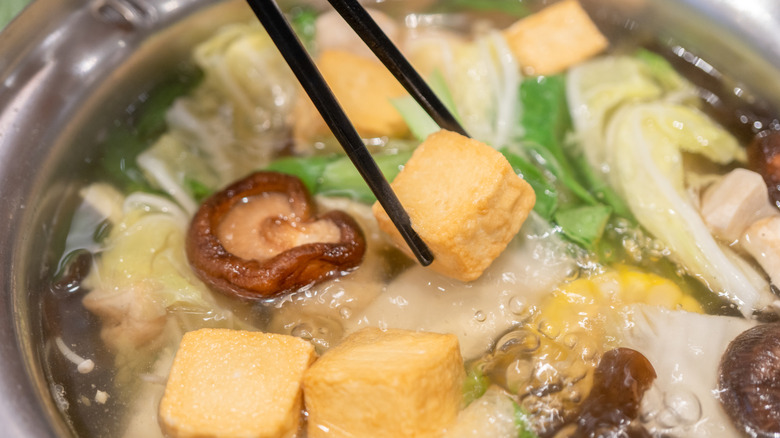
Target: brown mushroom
{"points": [[612, 407], [764, 158], [260, 238], [749, 384]]}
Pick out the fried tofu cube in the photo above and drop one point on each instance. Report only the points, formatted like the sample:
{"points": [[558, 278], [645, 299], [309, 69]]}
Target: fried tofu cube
{"points": [[385, 384], [464, 200], [555, 38], [235, 383], [364, 88]]}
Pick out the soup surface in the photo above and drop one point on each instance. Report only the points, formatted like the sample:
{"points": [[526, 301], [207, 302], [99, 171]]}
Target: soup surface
{"points": [[652, 243]]}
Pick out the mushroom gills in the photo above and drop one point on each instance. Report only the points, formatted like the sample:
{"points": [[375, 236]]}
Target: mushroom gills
{"points": [[263, 226]]}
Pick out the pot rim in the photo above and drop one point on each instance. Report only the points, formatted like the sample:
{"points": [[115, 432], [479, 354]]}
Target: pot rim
{"points": [[39, 60]]}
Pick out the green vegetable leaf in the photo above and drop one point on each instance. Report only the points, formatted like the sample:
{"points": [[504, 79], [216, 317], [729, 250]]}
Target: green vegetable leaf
{"points": [[646, 153], [118, 161], [660, 70], [335, 175], [341, 178], [513, 8], [546, 193], [523, 423], [563, 172], [604, 193], [584, 225], [308, 169], [199, 190], [545, 117], [545, 121], [475, 385], [303, 19], [419, 122], [9, 9], [151, 120]]}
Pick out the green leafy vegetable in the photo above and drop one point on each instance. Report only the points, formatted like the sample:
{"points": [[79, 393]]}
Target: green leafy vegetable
{"points": [[513, 8], [199, 190], [661, 71], [117, 162], [545, 191], [545, 123], [175, 167], [308, 169], [603, 192], [475, 385], [341, 178], [151, 120], [124, 144], [545, 118], [584, 225], [562, 172], [335, 175], [303, 19], [644, 155], [9, 9], [419, 122], [634, 118], [523, 423]]}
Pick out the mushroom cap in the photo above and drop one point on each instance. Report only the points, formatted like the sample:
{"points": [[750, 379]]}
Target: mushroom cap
{"points": [[290, 270]]}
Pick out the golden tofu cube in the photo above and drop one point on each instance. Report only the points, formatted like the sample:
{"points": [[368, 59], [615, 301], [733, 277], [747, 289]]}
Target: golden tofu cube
{"points": [[235, 383], [364, 88], [385, 384], [555, 38], [464, 200]]}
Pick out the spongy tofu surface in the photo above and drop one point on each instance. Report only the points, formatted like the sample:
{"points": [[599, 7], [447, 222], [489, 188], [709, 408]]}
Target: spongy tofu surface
{"points": [[364, 88], [555, 38], [464, 200], [385, 384], [234, 383]]}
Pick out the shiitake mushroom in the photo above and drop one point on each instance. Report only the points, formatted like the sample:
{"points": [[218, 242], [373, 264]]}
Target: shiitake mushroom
{"points": [[764, 158], [749, 382], [260, 237], [620, 380]]}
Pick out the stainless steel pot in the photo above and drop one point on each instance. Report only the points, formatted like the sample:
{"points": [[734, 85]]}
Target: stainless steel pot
{"points": [[69, 67]]}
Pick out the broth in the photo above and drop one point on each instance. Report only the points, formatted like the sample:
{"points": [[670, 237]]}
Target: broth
{"points": [[195, 134]]}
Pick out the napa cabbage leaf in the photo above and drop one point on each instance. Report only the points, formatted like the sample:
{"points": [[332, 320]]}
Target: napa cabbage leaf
{"points": [[232, 123], [634, 122], [647, 169], [242, 64], [142, 275], [484, 80], [179, 169], [683, 400]]}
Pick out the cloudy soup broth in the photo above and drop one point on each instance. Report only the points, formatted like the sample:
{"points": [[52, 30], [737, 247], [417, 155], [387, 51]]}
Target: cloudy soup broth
{"points": [[605, 241]]}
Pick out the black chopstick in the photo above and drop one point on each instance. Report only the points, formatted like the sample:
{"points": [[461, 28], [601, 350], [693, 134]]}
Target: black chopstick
{"points": [[315, 86], [370, 32]]}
